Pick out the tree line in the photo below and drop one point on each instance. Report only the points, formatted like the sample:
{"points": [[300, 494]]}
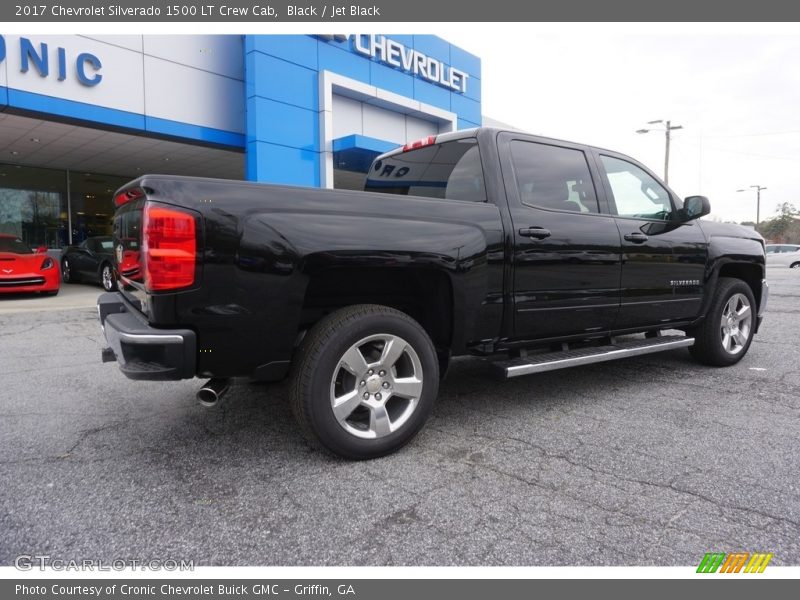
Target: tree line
{"points": [[783, 229]]}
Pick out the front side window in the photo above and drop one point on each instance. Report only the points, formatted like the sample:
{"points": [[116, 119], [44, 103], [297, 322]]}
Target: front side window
{"points": [[450, 171], [553, 177], [635, 192]]}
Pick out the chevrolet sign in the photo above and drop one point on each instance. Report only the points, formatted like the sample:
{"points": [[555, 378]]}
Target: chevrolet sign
{"points": [[413, 61]]}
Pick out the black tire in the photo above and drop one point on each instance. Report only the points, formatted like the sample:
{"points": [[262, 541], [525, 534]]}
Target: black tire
{"points": [[709, 347], [109, 284], [794, 265], [318, 368], [67, 275]]}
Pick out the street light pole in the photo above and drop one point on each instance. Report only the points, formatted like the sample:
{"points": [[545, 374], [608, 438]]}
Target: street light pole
{"points": [[669, 127], [758, 189]]}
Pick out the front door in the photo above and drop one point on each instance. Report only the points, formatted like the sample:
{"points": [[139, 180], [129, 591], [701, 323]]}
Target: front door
{"points": [[663, 258], [566, 259]]}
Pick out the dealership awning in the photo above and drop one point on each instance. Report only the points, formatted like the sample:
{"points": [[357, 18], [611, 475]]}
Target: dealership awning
{"points": [[356, 152]]}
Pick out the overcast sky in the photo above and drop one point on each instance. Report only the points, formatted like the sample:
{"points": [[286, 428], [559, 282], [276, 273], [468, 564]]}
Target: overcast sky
{"points": [[737, 97]]}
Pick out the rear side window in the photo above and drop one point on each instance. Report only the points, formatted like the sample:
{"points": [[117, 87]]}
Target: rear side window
{"points": [[553, 177], [451, 171]]}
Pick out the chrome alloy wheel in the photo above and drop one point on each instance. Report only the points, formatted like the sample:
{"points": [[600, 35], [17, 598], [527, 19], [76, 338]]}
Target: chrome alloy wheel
{"points": [[737, 319], [376, 386], [108, 278]]}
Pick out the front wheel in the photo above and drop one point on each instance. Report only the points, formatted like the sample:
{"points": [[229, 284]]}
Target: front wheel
{"points": [[365, 380], [727, 331], [794, 265]]}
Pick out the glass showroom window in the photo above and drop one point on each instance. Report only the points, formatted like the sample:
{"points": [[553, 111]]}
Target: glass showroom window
{"points": [[36, 206], [91, 200], [33, 205]]}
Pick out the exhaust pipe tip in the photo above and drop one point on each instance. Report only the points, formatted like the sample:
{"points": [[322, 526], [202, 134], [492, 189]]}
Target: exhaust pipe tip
{"points": [[211, 394]]}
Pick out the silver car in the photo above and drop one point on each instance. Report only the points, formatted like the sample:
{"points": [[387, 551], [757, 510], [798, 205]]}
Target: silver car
{"points": [[783, 255]]}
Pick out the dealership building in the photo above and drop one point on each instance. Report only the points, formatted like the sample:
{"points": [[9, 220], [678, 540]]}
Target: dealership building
{"points": [[81, 115]]}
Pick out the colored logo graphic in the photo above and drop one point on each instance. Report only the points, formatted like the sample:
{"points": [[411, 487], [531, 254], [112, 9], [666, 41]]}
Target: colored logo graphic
{"points": [[735, 562]]}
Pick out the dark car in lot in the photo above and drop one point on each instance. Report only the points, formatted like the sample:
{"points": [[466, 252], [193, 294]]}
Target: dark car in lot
{"points": [[91, 260]]}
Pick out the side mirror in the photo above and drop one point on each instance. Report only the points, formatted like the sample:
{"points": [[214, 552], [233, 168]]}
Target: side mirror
{"points": [[41, 250], [695, 207]]}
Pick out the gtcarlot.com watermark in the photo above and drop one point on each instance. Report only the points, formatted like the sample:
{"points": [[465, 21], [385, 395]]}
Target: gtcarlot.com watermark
{"points": [[43, 562]]}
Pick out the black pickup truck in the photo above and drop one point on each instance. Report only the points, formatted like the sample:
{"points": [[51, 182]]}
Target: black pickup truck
{"points": [[536, 253]]}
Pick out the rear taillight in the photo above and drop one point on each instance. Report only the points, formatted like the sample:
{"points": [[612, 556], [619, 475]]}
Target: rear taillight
{"points": [[169, 248]]}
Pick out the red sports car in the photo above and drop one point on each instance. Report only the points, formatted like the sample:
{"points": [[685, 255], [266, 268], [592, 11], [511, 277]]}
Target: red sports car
{"points": [[23, 270]]}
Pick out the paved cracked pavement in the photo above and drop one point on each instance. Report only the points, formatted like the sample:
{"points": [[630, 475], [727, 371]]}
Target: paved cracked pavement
{"points": [[649, 461]]}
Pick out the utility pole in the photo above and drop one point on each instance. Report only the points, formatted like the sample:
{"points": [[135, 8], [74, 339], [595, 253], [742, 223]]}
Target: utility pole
{"points": [[669, 127], [758, 189]]}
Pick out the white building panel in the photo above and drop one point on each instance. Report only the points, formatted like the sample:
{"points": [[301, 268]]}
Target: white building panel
{"points": [[220, 54], [188, 95], [121, 70], [4, 73], [383, 124], [419, 128], [347, 117], [131, 42]]}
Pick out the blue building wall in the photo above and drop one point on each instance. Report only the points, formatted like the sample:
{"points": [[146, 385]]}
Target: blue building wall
{"points": [[282, 96]]}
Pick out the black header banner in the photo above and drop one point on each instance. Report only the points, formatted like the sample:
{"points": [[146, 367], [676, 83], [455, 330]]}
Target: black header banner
{"points": [[382, 11]]}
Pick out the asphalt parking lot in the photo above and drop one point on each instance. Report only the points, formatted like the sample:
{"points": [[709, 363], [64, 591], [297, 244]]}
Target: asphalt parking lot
{"points": [[650, 461]]}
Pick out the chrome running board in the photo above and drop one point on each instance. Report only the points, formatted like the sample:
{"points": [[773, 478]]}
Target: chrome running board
{"points": [[551, 361]]}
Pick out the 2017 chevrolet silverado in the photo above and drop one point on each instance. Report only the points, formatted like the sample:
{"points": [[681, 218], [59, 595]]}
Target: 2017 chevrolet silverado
{"points": [[538, 253]]}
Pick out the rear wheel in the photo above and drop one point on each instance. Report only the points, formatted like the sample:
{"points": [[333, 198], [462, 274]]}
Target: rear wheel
{"points": [[67, 276], [365, 381], [727, 331], [107, 278], [794, 265]]}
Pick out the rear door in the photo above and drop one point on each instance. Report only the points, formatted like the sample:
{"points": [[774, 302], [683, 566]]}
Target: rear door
{"points": [[663, 259], [566, 260]]}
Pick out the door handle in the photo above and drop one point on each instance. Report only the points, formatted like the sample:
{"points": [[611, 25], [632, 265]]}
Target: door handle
{"points": [[637, 237], [538, 233]]}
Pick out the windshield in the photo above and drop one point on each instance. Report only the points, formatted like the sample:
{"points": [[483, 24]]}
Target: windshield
{"points": [[14, 245]]}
